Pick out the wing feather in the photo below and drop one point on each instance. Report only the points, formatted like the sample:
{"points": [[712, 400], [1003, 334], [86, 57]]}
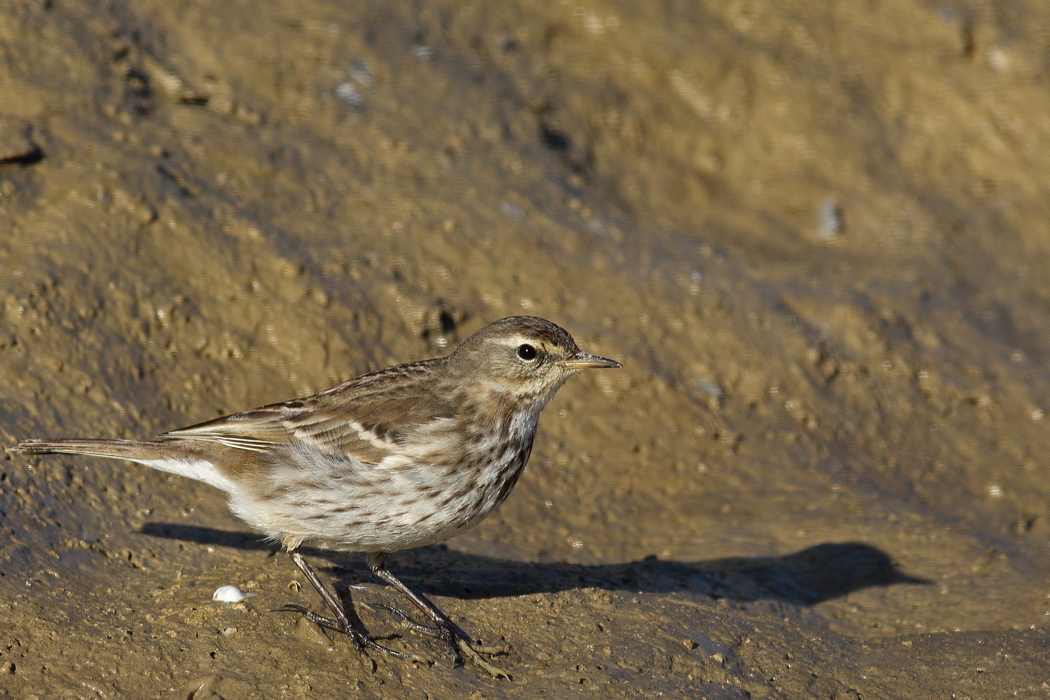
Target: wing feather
{"points": [[366, 418]]}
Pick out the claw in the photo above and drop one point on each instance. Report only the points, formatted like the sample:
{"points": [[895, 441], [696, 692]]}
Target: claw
{"points": [[463, 647], [361, 641], [319, 620], [459, 646]]}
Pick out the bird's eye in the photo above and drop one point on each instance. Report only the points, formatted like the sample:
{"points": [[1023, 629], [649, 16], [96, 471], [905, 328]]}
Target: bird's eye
{"points": [[526, 352]]}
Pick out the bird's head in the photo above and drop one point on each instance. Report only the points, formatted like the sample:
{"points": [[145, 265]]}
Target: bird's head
{"points": [[523, 358]]}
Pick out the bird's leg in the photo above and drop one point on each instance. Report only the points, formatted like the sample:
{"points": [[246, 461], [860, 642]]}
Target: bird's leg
{"points": [[358, 637], [442, 629]]}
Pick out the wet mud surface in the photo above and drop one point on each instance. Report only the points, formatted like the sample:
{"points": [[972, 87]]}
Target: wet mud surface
{"points": [[816, 235]]}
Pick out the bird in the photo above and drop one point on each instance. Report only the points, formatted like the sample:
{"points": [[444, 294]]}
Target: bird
{"points": [[394, 459]]}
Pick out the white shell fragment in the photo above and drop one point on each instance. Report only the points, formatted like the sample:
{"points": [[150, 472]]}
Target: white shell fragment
{"points": [[228, 594]]}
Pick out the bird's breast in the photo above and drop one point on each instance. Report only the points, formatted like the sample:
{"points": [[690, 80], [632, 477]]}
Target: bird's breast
{"points": [[433, 487]]}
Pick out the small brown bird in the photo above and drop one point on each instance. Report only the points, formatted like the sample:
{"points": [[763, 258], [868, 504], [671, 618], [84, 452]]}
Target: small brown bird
{"points": [[399, 458]]}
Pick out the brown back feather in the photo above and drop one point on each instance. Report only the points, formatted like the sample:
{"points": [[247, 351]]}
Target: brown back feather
{"points": [[365, 418]]}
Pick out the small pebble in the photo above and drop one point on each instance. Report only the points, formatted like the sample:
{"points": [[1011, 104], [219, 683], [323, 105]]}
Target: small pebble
{"points": [[349, 94], [228, 594], [16, 143], [709, 388], [512, 210], [829, 218]]}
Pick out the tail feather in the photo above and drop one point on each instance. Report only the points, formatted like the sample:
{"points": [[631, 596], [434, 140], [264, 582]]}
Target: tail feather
{"points": [[172, 456], [118, 449]]}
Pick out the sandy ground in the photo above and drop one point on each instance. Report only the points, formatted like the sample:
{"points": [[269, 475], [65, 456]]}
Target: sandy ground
{"points": [[816, 236]]}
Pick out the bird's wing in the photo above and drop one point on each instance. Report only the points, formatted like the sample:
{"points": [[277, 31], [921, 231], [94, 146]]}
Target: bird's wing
{"points": [[366, 418]]}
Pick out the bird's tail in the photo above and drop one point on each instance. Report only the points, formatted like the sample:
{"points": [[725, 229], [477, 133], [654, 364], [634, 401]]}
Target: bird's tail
{"points": [[134, 450], [172, 456]]}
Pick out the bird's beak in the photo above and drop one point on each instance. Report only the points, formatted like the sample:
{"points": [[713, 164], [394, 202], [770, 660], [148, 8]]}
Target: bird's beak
{"points": [[585, 360]]}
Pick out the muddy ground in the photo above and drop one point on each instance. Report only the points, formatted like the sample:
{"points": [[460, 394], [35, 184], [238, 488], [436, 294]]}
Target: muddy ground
{"points": [[816, 234]]}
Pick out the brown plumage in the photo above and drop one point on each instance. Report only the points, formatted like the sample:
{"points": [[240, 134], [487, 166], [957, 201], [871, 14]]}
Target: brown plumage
{"points": [[398, 458]]}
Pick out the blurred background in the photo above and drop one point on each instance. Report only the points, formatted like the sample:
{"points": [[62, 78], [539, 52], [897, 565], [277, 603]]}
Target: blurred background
{"points": [[815, 234]]}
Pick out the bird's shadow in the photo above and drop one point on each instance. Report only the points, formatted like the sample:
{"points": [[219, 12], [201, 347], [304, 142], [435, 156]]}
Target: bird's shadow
{"points": [[806, 577]]}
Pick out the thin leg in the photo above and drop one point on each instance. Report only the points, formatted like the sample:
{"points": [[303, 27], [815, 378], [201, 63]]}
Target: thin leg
{"points": [[443, 628], [358, 637]]}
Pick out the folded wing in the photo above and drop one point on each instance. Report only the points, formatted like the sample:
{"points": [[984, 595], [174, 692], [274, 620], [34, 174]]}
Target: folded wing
{"points": [[367, 418]]}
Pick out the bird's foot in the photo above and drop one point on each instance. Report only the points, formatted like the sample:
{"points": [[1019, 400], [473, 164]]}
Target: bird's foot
{"points": [[460, 646], [463, 647], [361, 640]]}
